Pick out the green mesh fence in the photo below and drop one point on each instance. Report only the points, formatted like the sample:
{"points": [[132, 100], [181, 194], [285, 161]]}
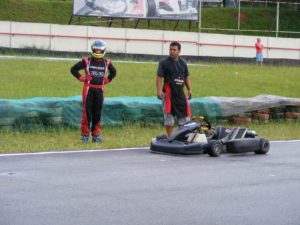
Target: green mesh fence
{"points": [[46, 113]]}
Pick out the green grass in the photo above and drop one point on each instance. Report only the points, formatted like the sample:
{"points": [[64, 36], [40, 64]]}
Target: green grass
{"points": [[128, 136], [59, 12], [36, 78], [252, 19], [37, 11]]}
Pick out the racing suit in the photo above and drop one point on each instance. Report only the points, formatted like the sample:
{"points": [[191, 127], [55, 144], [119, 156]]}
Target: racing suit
{"points": [[93, 91]]}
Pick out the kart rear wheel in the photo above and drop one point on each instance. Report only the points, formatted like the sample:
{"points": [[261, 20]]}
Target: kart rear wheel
{"points": [[214, 149], [264, 146]]}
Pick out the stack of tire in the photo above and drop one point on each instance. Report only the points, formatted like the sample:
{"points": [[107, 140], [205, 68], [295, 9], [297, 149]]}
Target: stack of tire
{"points": [[277, 113], [242, 118], [261, 116], [292, 113]]}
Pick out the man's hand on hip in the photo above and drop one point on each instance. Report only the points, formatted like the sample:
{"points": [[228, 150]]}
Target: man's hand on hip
{"points": [[84, 79]]}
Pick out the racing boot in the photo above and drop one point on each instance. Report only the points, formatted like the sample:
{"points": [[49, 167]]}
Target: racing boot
{"points": [[96, 138], [85, 139]]}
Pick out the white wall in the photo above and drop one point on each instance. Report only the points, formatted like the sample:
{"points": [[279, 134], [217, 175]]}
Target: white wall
{"points": [[211, 50], [284, 43], [18, 41], [66, 43], [144, 47], [5, 40], [154, 42]]}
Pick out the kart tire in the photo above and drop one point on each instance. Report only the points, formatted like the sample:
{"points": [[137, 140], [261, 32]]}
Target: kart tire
{"points": [[214, 149], [264, 146]]}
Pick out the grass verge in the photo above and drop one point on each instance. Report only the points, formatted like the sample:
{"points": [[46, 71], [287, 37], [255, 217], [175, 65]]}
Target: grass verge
{"points": [[36, 78], [131, 135]]}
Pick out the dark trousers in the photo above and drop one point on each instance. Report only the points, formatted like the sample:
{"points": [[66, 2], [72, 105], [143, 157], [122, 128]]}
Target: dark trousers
{"points": [[92, 102]]}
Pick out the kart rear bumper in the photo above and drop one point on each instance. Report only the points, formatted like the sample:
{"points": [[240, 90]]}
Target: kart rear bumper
{"points": [[244, 145]]}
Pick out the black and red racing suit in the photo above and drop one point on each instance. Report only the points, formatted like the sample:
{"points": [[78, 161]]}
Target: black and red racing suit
{"points": [[93, 91]]}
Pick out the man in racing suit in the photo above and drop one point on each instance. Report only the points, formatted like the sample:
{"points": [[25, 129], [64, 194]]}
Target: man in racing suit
{"points": [[92, 95], [174, 72]]}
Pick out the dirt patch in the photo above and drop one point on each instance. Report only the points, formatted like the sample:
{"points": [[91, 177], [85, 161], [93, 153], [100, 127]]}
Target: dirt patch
{"points": [[243, 17], [266, 15]]}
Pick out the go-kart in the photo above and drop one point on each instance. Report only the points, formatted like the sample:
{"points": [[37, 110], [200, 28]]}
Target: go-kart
{"points": [[197, 137]]}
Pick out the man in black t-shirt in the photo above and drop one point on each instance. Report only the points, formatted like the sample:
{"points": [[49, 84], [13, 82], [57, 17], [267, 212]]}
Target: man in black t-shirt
{"points": [[172, 76]]}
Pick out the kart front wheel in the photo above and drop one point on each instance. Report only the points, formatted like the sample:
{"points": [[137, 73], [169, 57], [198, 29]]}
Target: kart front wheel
{"points": [[264, 146], [214, 149]]}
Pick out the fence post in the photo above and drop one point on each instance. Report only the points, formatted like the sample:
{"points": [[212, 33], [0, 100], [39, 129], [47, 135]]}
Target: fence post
{"points": [[200, 12], [277, 19], [239, 15]]}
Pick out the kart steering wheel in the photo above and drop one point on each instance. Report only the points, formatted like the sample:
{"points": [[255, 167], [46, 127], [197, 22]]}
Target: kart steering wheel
{"points": [[202, 119]]}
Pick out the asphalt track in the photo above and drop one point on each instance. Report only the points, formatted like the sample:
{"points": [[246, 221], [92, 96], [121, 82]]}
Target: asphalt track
{"points": [[137, 187]]}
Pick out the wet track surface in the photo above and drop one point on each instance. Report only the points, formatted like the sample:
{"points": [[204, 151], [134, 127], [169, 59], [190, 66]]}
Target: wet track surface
{"points": [[138, 187]]}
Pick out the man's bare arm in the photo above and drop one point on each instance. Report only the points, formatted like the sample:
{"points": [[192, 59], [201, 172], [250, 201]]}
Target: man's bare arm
{"points": [[159, 86], [187, 83]]}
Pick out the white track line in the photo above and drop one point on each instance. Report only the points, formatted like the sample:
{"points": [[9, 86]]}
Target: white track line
{"points": [[39, 58], [280, 141], [77, 59], [71, 151], [95, 150]]}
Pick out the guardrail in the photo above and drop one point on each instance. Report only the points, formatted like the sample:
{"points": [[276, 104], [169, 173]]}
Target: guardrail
{"points": [[74, 38], [143, 39]]}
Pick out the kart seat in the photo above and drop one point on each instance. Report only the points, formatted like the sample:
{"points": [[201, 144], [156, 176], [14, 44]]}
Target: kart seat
{"points": [[220, 132]]}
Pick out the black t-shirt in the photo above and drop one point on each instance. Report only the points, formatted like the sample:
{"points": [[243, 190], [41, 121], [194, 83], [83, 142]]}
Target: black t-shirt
{"points": [[174, 73], [169, 68]]}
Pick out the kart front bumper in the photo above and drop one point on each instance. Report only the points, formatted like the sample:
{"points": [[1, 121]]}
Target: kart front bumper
{"points": [[177, 147]]}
